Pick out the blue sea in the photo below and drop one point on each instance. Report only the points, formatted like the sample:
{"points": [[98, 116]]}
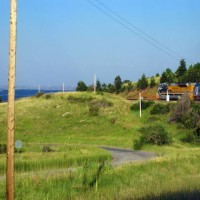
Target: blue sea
{"points": [[23, 93]]}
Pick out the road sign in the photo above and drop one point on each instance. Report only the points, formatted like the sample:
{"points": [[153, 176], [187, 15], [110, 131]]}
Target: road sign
{"points": [[18, 144]]}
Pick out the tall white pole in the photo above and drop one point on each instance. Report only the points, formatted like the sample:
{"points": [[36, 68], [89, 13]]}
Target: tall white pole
{"points": [[140, 99], [11, 102], [95, 82], [63, 87], [39, 89]]}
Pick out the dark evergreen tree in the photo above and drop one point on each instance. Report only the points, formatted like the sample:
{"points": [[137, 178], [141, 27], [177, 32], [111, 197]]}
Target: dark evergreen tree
{"points": [[152, 82], [111, 88], [117, 84], [98, 86], [104, 87], [142, 83], [193, 74], [163, 78], [181, 71], [168, 77], [81, 86]]}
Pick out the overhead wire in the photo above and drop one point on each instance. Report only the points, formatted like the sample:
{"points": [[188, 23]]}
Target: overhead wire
{"points": [[138, 29], [129, 26]]}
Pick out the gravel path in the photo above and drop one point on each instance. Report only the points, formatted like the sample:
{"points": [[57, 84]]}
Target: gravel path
{"points": [[121, 156]]}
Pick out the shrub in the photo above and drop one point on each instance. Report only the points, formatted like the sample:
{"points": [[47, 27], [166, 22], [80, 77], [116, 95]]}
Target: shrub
{"points": [[186, 114], [102, 103], [48, 96], [96, 104], [1, 100], [145, 105], [94, 109], [39, 94], [160, 109], [192, 137], [183, 107], [153, 134], [3, 148]]}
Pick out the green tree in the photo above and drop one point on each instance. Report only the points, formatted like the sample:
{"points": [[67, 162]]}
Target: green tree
{"points": [[181, 71], [157, 74], [193, 74], [163, 78], [117, 84], [81, 86], [142, 83], [111, 88], [98, 86], [104, 87], [152, 82], [168, 76]]}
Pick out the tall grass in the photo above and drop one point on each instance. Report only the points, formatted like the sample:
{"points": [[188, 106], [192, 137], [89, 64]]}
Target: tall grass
{"points": [[66, 126]]}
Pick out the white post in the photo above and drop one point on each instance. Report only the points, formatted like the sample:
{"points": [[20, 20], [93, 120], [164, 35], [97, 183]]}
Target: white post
{"points": [[95, 83], [140, 99], [63, 87], [39, 89], [167, 97]]}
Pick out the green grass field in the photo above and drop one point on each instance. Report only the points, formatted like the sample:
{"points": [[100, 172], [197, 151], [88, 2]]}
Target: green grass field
{"points": [[65, 124]]}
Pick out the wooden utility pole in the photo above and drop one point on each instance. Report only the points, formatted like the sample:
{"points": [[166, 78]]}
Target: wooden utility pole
{"points": [[11, 102]]}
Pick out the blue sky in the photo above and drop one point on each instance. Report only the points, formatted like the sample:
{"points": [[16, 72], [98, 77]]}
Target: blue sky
{"points": [[70, 40]]}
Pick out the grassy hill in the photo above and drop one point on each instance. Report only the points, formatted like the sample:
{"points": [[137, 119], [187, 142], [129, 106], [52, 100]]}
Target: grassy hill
{"points": [[64, 130]]}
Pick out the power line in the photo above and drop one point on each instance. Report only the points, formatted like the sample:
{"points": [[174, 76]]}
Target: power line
{"points": [[164, 48], [138, 29]]}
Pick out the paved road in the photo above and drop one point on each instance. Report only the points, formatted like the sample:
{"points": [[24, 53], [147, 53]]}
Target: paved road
{"points": [[121, 156]]}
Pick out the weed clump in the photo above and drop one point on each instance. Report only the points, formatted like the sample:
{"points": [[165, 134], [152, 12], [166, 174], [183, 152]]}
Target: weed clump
{"points": [[145, 105], [160, 109], [83, 99], [152, 134], [47, 149]]}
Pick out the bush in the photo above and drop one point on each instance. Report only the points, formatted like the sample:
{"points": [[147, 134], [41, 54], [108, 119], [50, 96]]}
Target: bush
{"points": [[94, 109], [183, 108], [48, 96], [3, 148], [192, 137], [153, 134], [102, 103], [160, 109], [1, 100], [39, 94], [145, 105]]}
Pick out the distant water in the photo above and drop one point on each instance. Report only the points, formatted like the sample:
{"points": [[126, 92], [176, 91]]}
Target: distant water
{"points": [[23, 93]]}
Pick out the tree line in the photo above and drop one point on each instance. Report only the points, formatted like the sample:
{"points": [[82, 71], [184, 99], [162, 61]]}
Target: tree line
{"points": [[181, 75]]}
